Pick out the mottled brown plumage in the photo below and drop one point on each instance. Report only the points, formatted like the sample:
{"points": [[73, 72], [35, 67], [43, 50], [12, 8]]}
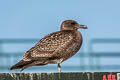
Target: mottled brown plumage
{"points": [[54, 48]]}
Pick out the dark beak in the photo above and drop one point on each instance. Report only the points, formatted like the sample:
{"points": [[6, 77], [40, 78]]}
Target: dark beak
{"points": [[82, 26]]}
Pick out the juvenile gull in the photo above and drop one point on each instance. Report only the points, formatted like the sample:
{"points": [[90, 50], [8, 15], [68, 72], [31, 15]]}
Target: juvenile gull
{"points": [[54, 48]]}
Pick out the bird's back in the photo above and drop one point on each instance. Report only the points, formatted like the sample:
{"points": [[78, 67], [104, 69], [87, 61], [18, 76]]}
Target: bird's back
{"points": [[55, 46]]}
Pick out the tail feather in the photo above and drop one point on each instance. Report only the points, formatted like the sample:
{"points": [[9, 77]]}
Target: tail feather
{"points": [[20, 64], [25, 64]]}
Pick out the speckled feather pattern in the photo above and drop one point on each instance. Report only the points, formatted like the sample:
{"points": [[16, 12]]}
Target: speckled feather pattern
{"points": [[57, 46]]}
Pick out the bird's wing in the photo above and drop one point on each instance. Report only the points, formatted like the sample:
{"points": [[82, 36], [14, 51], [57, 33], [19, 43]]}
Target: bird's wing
{"points": [[48, 46]]}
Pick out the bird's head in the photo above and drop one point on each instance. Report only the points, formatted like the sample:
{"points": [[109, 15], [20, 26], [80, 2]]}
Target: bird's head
{"points": [[71, 25]]}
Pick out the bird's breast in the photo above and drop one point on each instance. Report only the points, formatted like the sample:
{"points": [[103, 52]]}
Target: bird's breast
{"points": [[73, 46]]}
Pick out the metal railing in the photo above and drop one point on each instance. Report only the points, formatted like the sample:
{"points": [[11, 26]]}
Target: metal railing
{"points": [[7, 59], [95, 57]]}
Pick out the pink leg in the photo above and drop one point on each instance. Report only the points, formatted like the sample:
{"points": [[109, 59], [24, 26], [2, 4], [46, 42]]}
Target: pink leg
{"points": [[59, 68]]}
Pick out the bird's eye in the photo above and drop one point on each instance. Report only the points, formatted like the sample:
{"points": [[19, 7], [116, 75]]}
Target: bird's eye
{"points": [[72, 23]]}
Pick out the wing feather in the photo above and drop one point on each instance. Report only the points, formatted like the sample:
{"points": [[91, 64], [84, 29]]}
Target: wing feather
{"points": [[48, 46]]}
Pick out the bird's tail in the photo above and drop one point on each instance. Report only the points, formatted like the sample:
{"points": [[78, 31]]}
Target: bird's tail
{"points": [[20, 64]]}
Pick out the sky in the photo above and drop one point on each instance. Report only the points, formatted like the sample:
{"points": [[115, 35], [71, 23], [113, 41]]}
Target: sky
{"points": [[34, 19], [37, 18]]}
